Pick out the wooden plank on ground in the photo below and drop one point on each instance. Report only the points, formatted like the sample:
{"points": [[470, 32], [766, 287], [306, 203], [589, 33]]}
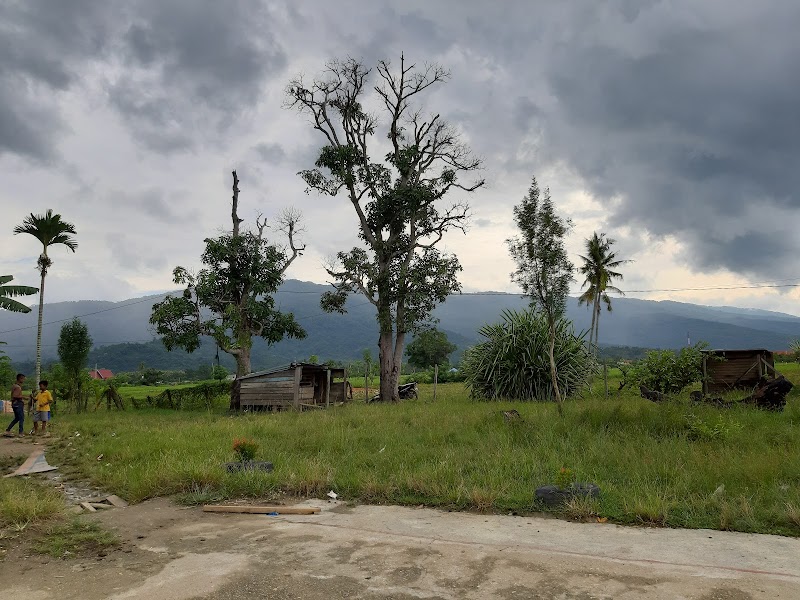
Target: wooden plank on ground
{"points": [[100, 505], [88, 507], [117, 501], [262, 510]]}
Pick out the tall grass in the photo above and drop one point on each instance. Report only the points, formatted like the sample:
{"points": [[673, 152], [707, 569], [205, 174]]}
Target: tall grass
{"points": [[461, 454], [24, 503]]}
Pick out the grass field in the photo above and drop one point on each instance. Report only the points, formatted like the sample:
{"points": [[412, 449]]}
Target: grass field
{"points": [[140, 392], [667, 465]]}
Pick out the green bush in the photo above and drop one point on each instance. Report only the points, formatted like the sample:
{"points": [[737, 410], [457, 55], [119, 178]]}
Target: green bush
{"points": [[513, 362], [668, 371]]}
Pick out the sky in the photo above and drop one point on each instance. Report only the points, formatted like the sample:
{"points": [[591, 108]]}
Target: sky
{"points": [[670, 125]]}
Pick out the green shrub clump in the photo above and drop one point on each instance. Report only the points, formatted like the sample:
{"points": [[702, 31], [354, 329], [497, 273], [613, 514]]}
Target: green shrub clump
{"points": [[668, 371], [513, 362]]}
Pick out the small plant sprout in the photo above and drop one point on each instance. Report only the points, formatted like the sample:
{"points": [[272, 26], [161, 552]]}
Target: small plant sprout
{"points": [[245, 449], [565, 478]]}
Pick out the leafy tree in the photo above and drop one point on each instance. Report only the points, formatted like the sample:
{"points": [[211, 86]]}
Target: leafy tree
{"points": [[219, 372], [668, 371], [231, 299], [74, 343], [50, 230], [151, 376], [397, 200], [430, 347], [543, 270], [598, 269], [7, 373], [9, 292], [794, 348]]}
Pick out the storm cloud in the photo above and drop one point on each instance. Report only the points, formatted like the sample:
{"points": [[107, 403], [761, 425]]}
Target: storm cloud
{"points": [[662, 122]]}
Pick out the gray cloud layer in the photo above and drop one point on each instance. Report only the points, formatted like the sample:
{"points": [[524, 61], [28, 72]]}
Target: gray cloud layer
{"points": [[680, 117]]}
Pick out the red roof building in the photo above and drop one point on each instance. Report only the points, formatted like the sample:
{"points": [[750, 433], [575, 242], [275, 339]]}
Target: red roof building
{"points": [[101, 374]]}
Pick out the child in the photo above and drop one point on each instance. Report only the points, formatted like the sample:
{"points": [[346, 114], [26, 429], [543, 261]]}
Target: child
{"points": [[42, 413], [18, 405]]}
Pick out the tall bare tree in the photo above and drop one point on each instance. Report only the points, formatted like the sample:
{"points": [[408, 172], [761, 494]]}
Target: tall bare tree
{"points": [[397, 199], [231, 299], [50, 230], [598, 269], [544, 271]]}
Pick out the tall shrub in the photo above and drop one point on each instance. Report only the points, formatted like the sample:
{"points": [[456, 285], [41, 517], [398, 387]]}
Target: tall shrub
{"points": [[514, 361], [668, 371]]}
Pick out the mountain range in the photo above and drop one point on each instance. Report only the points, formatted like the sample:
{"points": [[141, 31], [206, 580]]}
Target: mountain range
{"points": [[123, 338]]}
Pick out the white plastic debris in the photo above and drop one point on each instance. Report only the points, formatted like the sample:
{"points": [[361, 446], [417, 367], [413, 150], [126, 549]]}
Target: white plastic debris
{"points": [[333, 495], [381, 450]]}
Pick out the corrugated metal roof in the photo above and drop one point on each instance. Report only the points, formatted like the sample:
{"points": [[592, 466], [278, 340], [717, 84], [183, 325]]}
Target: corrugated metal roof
{"points": [[290, 366]]}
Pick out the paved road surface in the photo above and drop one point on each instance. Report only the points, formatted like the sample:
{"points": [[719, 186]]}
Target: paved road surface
{"points": [[378, 552]]}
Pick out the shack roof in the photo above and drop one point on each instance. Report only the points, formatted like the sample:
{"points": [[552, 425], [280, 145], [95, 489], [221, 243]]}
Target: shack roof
{"points": [[335, 371], [738, 350]]}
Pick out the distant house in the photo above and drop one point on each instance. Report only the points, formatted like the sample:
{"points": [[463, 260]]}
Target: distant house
{"points": [[101, 374]]}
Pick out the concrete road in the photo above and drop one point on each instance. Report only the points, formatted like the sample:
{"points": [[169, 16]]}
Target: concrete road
{"points": [[380, 552]]}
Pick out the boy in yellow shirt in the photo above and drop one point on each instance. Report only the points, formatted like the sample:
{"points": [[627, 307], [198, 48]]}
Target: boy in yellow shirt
{"points": [[43, 401]]}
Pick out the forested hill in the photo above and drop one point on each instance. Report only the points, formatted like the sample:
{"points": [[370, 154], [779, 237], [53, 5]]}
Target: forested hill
{"points": [[124, 339]]}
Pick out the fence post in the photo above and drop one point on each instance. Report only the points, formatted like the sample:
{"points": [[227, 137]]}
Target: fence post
{"points": [[366, 382], [435, 380], [605, 377]]}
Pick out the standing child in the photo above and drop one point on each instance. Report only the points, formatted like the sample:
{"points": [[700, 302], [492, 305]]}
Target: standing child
{"points": [[42, 413], [18, 405]]}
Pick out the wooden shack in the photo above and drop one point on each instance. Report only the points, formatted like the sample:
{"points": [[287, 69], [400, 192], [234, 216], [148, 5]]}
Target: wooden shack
{"points": [[724, 370], [297, 385]]}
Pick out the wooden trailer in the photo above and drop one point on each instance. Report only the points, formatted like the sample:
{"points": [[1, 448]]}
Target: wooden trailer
{"points": [[297, 385], [724, 370]]}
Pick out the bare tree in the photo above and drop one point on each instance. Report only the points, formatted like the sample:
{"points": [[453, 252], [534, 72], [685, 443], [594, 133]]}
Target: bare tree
{"points": [[398, 268]]}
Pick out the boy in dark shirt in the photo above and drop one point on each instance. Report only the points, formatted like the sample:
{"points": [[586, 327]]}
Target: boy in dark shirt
{"points": [[17, 405]]}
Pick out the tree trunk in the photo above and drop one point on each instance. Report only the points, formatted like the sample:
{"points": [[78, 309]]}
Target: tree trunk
{"points": [[594, 316], [397, 364], [388, 391], [553, 372], [39, 333], [598, 310], [243, 361]]}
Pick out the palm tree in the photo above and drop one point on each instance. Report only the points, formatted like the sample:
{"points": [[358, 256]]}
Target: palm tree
{"points": [[9, 292], [50, 230], [598, 270]]}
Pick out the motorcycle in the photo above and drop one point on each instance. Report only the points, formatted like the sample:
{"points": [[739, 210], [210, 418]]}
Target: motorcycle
{"points": [[407, 391]]}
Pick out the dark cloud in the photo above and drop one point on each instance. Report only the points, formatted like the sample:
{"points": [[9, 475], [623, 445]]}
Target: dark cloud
{"points": [[186, 70], [193, 67], [687, 125], [43, 45]]}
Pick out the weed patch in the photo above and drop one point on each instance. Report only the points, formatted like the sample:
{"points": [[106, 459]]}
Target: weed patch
{"points": [[75, 537]]}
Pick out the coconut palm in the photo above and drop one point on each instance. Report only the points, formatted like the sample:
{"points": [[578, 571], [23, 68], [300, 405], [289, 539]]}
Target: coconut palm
{"points": [[50, 230], [9, 292], [598, 269]]}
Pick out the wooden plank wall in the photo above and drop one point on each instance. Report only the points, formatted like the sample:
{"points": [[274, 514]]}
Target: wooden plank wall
{"points": [[723, 375]]}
